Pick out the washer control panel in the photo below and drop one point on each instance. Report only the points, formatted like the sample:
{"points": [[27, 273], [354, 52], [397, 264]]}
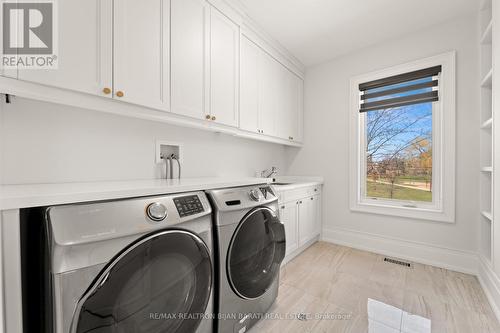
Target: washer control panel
{"points": [[188, 205], [267, 192], [156, 211], [255, 194]]}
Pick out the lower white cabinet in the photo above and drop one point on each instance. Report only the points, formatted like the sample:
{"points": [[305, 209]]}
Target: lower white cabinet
{"points": [[301, 217], [307, 218], [289, 217]]}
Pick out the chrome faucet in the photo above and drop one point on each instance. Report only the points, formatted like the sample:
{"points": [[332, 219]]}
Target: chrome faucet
{"points": [[268, 173]]}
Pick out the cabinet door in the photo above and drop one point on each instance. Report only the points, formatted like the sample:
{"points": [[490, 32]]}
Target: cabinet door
{"points": [[224, 68], [269, 93], [307, 218], [298, 134], [289, 217], [285, 105], [295, 95], [249, 85], [289, 106], [304, 221], [189, 58], [85, 43], [141, 52], [317, 215]]}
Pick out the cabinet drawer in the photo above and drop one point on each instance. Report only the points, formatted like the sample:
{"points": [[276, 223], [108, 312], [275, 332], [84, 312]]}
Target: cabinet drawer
{"points": [[313, 190], [300, 193]]}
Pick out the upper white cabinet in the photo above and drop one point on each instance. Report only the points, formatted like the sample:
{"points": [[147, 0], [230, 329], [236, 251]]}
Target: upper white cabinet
{"points": [[85, 42], [224, 68], [141, 52], [249, 85], [184, 57], [290, 108], [271, 95], [190, 58]]}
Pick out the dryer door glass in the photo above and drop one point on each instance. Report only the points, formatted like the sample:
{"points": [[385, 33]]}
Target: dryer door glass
{"points": [[255, 253], [160, 283]]}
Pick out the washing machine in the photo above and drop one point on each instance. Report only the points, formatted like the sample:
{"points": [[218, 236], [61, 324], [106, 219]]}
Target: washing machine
{"points": [[250, 246], [142, 265]]}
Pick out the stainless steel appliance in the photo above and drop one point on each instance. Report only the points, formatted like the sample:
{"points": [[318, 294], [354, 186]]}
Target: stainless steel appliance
{"points": [[250, 246], [136, 265]]}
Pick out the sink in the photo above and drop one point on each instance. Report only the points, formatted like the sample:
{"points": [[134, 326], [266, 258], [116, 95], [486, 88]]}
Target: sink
{"points": [[281, 183]]}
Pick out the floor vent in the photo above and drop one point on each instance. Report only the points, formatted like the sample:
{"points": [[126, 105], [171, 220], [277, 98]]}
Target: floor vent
{"points": [[397, 262]]}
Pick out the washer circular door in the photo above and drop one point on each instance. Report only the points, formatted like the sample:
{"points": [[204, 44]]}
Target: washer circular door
{"points": [[255, 253], [160, 283]]}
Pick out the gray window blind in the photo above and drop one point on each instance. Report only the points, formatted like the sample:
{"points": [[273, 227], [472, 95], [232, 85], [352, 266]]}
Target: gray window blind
{"points": [[416, 87]]}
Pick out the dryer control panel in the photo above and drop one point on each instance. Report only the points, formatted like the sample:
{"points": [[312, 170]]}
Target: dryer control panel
{"points": [[188, 205]]}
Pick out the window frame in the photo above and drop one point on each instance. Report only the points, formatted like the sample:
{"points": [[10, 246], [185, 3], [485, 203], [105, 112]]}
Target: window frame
{"points": [[442, 208]]}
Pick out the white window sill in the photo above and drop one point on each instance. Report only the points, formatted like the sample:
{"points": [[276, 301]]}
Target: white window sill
{"points": [[418, 213]]}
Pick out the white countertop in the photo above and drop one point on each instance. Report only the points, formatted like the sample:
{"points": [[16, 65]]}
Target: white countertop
{"points": [[294, 182], [35, 195]]}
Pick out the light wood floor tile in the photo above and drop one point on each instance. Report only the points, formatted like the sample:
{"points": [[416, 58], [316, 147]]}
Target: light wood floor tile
{"points": [[388, 274], [339, 289]]}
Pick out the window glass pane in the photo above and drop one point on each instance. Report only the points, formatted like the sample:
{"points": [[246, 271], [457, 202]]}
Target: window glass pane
{"points": [[399, 153]]}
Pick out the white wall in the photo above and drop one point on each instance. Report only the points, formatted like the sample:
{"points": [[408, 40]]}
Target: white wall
{"points": [[327, 136], [47, 143]]}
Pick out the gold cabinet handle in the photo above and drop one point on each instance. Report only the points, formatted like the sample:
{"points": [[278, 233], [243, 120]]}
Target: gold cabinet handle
{"points": [[120, 93], [106, 91], [213, 118], [207, 117]]}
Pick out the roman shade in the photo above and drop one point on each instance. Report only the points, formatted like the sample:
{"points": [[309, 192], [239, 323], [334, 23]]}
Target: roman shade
{"points": [[415, 87]]}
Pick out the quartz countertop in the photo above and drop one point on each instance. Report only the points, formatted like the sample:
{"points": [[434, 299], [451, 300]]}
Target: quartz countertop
{"points": [[36, 195], [285, 183]]}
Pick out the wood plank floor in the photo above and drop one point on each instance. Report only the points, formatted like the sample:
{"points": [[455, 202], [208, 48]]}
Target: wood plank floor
{"points": [[331, 288]]}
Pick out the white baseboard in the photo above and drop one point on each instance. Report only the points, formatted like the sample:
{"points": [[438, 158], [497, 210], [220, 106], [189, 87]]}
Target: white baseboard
{"points": [[452, 259], [490, 283]]}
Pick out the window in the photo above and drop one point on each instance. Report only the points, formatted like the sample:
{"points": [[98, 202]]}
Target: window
{"points": [[403, 140]]}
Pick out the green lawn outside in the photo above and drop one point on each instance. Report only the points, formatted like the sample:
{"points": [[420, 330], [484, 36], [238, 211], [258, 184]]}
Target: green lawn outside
{"points": [[414, 178], [405, 179], [377, 190]]}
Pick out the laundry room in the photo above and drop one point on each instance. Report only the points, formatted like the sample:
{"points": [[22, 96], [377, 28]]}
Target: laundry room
{"points": [[221, 166]]}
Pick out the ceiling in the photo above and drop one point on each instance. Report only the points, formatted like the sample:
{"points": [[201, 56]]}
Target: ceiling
{"points": [[319, 30]]}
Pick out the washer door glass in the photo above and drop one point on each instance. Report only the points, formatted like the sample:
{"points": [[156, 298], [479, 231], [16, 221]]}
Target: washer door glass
{"points": [[255, 253], [160, 283]]}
